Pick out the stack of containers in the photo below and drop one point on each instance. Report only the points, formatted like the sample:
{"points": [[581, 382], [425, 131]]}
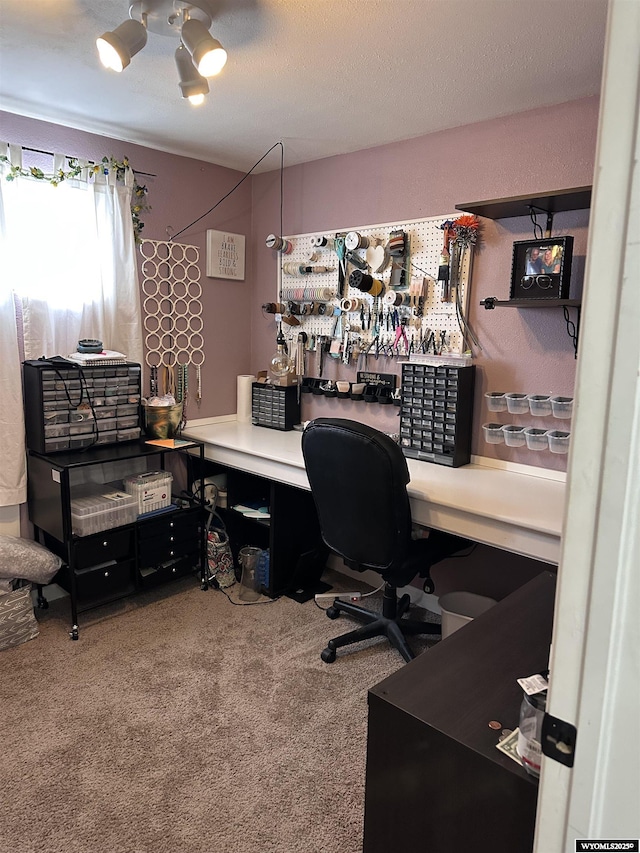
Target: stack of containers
{"points": [[102, 511], [151, 490]]}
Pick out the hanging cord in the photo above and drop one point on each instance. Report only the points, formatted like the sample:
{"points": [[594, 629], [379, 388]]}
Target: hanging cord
{"points": [[233, 189], [465, 327]]}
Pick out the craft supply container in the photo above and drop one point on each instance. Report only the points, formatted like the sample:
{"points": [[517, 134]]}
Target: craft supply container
{"points": [[496, 401], [540, 404], [562, 407], [514, 435], [493, 433], [517, 404], [558, 440], [536, 438]]}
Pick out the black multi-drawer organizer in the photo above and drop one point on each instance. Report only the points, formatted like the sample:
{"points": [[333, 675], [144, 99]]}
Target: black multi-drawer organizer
{"points": [[70, 407], [436, 413], [275, 406]]}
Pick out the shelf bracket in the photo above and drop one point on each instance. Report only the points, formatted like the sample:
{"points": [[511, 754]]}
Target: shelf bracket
{"points": [[549, 228]]}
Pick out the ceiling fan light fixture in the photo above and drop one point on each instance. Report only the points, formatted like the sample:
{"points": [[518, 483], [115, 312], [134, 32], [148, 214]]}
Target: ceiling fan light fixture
{"points": [[192, 84], [208, 55], [118, 47]]}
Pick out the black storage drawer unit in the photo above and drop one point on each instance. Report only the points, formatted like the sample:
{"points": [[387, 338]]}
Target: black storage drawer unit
{"points": [[70, 407], [169, 537], [116, 544], [105, 582], [436, 413], [275, 406]]}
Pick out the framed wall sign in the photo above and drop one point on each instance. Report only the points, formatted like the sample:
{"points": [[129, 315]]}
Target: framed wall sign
{"points": [[541, 269], [225, 255]]}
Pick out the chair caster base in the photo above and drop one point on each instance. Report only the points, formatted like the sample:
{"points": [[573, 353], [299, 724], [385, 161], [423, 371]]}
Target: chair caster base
{"points": [[328, 655], [332, 612]]}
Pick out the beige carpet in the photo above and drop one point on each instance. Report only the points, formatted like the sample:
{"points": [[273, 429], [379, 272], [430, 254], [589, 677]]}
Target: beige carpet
{"points": [[179, 723]]}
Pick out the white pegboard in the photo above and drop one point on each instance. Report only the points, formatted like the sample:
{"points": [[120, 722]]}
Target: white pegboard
{"points": [[425, 239]]}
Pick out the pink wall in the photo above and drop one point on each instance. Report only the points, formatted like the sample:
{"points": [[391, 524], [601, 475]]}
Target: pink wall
{"points": [[181, 190], [525, 351]]}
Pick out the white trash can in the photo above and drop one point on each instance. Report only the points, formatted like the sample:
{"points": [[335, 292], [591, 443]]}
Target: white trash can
{"points": [[459, 608]]}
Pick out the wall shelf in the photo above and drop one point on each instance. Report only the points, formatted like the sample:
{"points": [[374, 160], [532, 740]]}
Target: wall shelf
{"points": [[554, 201], [572, 328], [492, 302]]}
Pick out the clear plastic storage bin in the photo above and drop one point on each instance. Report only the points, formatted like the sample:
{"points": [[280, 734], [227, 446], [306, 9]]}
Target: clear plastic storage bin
{"points": [[496, 401], [151, 490], [493, 433], [558, 441], [562, 407], [540, 404], [98, 512], [517, 404], [536, 438], [513, 435]]}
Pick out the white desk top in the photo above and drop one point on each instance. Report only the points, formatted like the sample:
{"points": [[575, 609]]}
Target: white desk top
{"points": [[512, 510]]}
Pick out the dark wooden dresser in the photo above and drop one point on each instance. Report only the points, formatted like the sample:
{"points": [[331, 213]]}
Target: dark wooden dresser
{"points": [[435, 781]]}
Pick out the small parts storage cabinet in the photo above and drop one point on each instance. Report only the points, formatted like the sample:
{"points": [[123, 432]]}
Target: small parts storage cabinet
{"points": [[437, 407], [275, 406], [69, 407], [121, 552]]}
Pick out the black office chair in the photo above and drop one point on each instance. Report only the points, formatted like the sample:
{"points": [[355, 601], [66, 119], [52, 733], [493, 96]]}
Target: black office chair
{"points": [[358, 479]]}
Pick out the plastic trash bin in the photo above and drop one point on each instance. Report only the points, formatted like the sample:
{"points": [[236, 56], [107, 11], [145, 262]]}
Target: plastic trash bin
{"points": [[459, 608]]}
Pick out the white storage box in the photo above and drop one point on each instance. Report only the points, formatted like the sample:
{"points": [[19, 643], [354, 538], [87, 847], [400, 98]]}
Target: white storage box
{"points": [[98, 512], [151, 490], [459, 608]]}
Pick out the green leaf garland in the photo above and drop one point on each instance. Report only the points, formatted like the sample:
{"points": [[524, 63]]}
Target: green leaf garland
{"points": [[108, 164]]}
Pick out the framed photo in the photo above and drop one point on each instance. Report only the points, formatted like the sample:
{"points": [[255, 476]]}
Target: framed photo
{"points": [[541, 269], [225, 255]]}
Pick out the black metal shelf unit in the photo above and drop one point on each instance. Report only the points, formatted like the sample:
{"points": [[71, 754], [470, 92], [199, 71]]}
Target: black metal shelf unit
{"points": [[122, 560]]}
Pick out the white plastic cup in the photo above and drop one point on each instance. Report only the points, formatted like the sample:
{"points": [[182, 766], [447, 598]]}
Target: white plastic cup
{"points": [[514, 435], [496, 401], [493, 433], [558, 440], [536, 438], [540, 404], [517, 404], [562, 407]]}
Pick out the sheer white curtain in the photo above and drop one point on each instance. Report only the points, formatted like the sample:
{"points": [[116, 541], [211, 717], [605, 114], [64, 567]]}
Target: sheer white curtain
{"points": [[13, 476], [69, 260]]}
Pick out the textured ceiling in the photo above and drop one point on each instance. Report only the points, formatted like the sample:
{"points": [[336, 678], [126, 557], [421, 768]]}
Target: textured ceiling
{"points": [[324, 76]]}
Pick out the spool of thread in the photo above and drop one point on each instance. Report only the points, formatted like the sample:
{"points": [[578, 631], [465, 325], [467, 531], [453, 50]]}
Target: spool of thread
{"points": [[394, 298], [360, 281], [355, 240], [274, 307], [244, 391], [366, 283], [279, 243], [350, 304], [294, 308], [320, 241]]}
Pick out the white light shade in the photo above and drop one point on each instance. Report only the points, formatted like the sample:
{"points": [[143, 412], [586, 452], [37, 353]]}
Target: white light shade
{"points": [[209, 57], [192, 84], [117, 48]]}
